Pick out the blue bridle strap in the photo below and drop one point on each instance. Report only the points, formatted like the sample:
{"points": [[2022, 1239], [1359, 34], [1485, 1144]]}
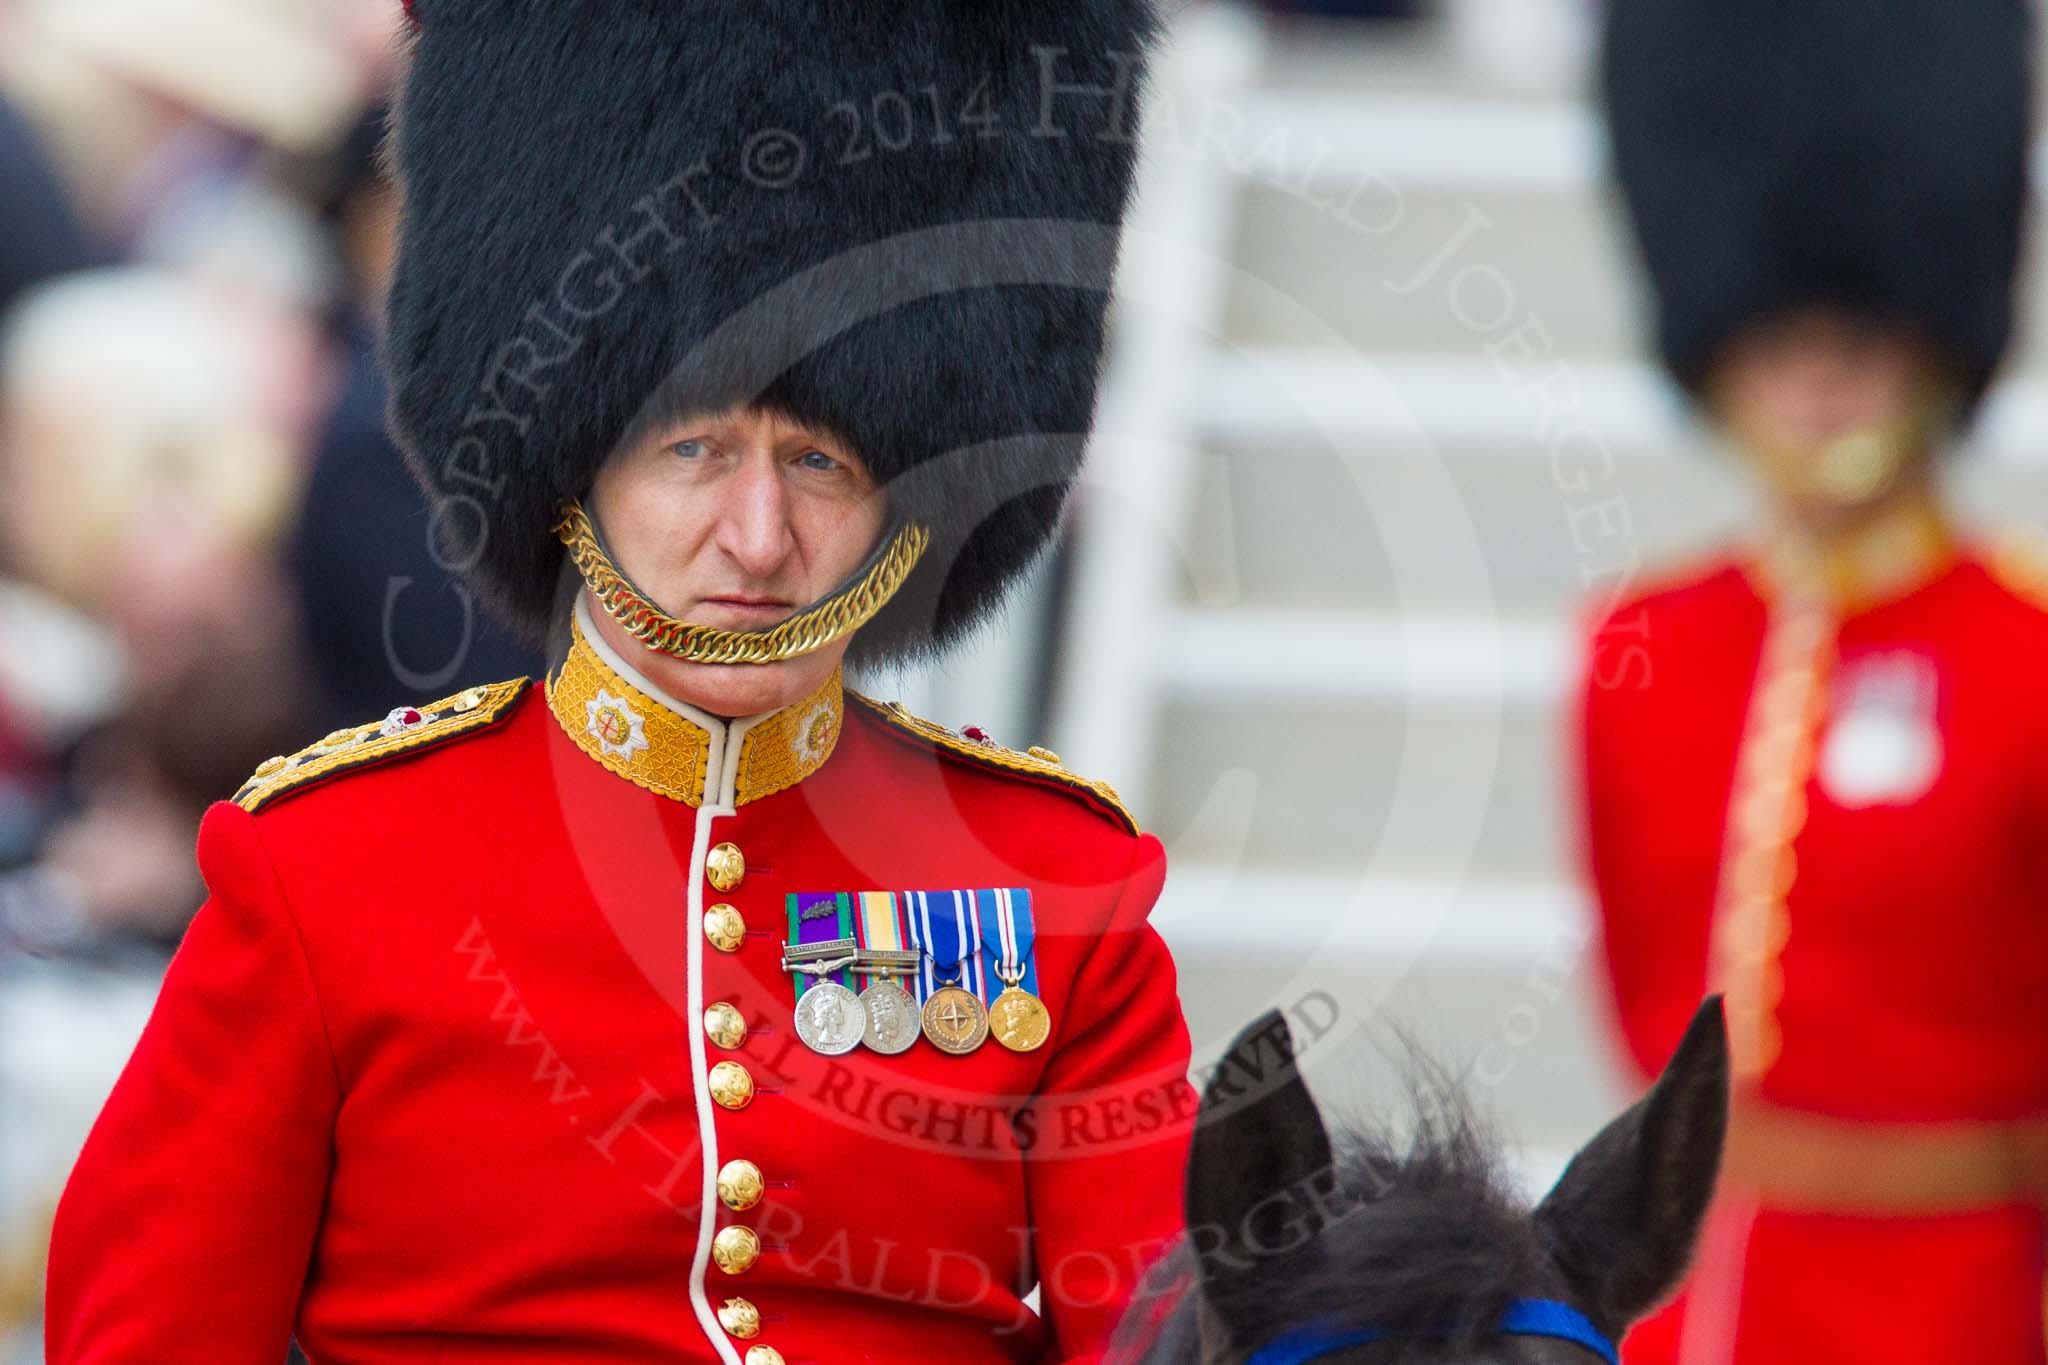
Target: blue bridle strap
{"points": [[1523, 1318]]}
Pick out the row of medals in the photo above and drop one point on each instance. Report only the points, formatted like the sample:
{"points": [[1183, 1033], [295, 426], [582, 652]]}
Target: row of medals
{"points": [[885, 1017]]}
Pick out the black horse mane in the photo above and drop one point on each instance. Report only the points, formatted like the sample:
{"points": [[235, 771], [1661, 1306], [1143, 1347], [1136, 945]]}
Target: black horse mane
{"points": [[1428, 1240]]}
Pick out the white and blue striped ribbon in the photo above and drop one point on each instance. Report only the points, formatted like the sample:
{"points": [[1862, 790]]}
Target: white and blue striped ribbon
{"points": [[961, 911], [1008, 934]]}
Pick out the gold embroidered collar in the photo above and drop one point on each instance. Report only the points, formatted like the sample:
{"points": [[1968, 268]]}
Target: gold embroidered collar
{"points": [[618, 717], [1882, 560]]}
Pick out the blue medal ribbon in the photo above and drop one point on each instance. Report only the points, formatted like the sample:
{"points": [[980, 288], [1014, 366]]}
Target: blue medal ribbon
{"points": [[1007, 931], [946, 927]]}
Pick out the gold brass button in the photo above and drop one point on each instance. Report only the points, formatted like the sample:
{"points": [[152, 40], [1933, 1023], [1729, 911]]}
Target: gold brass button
{"points": [[740, 1185], [740, 1318], [725, 865], [731, 1085], [270, 765], [724, 927], [735, 1249], [724, 1026], [763, 1355]]}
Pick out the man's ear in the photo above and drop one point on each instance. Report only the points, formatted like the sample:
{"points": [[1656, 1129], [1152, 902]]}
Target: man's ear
{"points": [[1622, 1220], [1259, 1167]]}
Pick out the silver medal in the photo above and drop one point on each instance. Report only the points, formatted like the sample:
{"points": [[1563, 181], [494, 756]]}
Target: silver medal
{"points": [[829, 1018], [892, 1018]]}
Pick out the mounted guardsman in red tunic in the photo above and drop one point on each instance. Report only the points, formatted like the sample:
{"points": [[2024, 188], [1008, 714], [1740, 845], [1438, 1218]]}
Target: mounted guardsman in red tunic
{"points": [[687, 1005], [1816, 770]]}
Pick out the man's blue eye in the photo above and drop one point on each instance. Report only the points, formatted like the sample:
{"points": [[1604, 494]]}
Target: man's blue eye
{"points": [[818, 459], [688, 450]]}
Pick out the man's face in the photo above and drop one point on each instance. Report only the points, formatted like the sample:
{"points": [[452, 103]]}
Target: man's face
{"points": [[1828, 405], [737, 519]]}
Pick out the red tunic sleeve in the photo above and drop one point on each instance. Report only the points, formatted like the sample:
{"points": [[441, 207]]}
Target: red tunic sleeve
{"points": [[1651, 923], [1620, 901], [1663, 694], [1111, 1125], [184, 1231]]}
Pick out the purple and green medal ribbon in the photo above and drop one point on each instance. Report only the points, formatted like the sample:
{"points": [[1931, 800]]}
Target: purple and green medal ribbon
{"points": [[820, 917]]}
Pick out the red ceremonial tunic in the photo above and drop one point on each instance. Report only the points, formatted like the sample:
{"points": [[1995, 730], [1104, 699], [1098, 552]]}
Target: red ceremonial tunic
{"points": [[1841, 819], [480, 1052]]}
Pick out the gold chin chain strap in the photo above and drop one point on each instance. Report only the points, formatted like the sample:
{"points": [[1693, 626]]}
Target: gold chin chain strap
{"points": [[1858, 466], [812, 628]]}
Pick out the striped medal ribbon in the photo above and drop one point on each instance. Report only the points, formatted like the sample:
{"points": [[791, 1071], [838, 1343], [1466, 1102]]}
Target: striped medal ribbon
{"points": [[819, 955], [890, 1012], [1017, 1018], [946, 927]]}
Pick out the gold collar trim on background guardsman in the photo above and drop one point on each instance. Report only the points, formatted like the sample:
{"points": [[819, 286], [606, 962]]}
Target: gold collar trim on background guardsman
{"points": [[664, 745], [1878, 561], [844, 612]]}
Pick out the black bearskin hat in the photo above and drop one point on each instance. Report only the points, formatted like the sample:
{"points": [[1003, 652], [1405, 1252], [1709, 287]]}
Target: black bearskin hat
{"points": [[1869, 153], [896, 222]]}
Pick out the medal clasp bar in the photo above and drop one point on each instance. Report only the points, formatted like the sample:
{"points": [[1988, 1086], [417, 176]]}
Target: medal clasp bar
{"points": [[888, 961]]}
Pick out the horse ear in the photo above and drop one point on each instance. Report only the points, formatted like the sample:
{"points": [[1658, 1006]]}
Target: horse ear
{"points": [[1259, 1166], [1622, 1220]]}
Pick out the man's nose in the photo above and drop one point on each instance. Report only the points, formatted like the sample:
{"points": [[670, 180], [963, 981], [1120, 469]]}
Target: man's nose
{"points": [[754, 525]]}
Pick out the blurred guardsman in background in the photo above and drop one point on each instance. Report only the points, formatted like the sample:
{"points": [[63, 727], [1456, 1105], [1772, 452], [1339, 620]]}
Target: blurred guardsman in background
{"points": [[1817, 771], [687, 1006]]}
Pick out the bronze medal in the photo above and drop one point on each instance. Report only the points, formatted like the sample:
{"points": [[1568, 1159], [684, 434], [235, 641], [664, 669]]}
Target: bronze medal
{"points": [[955, 1021]]}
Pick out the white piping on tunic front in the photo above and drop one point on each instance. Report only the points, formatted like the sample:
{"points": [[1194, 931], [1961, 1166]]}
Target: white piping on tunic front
{"points": [[707, 1112], [721, 798]]}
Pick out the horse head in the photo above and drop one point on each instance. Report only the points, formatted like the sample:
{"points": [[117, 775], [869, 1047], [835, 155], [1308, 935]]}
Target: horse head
{"points": [[1304, 1249]]}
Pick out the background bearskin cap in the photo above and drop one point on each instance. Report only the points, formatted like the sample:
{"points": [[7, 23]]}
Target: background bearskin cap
{"points": [[1870, 153]]}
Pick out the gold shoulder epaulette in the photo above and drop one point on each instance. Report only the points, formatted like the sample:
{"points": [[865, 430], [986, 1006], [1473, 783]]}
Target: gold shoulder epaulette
{"points": [[403, 731], [1033, 764], [2018, 559]]}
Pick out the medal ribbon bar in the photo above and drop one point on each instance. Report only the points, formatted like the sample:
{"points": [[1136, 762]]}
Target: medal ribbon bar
{"points": [[1007, 930], [946, 928], [878, 927], [818, 918]]}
